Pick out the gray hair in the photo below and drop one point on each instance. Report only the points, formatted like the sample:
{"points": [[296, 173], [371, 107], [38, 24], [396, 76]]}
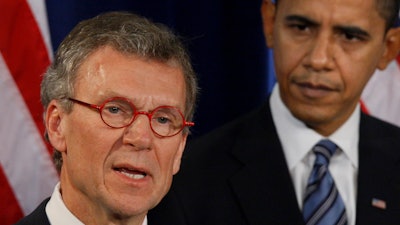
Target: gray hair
{"points": [[126, 33]]}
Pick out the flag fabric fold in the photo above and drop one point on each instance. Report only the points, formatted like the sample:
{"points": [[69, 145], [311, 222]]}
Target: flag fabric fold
{"points": [[27, 174], [381, 96]]}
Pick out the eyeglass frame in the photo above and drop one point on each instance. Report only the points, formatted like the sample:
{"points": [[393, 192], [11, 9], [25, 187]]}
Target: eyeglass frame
{"points": [[136, 112]]}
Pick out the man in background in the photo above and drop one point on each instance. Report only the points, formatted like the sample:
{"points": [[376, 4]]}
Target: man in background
{"points": [[118, 101], [308, 155]]}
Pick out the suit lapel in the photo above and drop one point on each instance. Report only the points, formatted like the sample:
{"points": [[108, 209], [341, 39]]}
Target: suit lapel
{"points": [[264, 165], [378, 179]]}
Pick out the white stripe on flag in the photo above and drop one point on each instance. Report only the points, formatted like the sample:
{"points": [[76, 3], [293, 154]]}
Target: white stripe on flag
{"points": [[39, 12], [23, 156], [381, 95]]}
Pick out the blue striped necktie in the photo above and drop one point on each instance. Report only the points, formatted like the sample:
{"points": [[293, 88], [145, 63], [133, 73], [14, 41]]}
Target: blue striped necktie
{"points": [[322, 203]]}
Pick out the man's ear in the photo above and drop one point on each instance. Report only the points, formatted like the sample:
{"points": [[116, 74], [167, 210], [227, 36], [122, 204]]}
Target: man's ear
{"points": [[392, 42], [268, 18], [53, 121]]}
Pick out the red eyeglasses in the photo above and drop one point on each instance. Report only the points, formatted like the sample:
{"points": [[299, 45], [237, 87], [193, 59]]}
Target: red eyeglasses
{"points": [[119, 112]]}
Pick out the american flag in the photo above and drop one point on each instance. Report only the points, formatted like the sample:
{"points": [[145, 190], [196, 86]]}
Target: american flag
{"points": [[381, 96], [27, 174], [378, 203]]}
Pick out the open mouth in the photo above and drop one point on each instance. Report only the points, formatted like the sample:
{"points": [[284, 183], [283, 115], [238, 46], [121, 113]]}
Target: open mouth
{"points": [[131, 173]]}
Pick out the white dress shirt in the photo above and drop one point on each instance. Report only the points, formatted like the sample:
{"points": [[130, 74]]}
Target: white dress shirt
{"points": [[297, 142], [59, 214]]}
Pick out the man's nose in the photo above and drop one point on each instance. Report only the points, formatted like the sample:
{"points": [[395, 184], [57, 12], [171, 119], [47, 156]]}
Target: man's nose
{"points": [[139, 132], [320, 55]]}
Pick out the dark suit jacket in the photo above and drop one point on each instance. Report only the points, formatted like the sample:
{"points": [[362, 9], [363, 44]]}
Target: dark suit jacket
{"points": [[37, 217], [237, 174]]}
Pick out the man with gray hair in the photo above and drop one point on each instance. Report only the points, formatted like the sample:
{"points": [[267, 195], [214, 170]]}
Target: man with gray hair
{"points": [[118, 100]]}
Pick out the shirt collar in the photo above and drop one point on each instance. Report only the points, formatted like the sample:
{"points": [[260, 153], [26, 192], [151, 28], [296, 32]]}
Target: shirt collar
{"points": [[297, 139], [59, 214]]}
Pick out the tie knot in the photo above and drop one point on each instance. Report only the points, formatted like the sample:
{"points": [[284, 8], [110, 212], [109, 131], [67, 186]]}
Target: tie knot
{"points": [[324, 151]]}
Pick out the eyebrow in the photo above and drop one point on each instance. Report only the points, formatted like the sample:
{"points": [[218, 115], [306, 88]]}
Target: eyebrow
{"points": [[111, 93], [301, 19], [353, 30]]}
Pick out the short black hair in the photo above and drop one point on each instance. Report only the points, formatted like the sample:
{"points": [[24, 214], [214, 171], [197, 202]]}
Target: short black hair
{"points": [[389, 10]]}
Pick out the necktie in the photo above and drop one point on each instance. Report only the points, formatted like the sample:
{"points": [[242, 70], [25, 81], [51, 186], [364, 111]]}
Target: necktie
{"points": [[322, 203]]}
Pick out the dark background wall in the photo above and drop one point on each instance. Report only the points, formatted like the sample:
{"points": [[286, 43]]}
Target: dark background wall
{"points": [[224, 38]]}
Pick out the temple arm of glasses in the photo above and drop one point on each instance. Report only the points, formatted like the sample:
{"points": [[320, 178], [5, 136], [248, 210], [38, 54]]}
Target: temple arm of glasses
{"points": [[93, 106], [189, 124]]}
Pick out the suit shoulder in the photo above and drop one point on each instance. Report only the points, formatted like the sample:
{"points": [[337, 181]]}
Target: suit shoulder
{"points": [[238, 127], [217, 146], [378, 127], [37, 217]]}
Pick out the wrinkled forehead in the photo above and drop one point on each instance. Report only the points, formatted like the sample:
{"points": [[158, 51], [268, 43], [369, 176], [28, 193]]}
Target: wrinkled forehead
{"points": [[372, 4], [108, 73], [361, 13]]}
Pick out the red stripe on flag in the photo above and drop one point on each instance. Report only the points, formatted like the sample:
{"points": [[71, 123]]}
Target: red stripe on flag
{"points": [[11, 212], [24, 52], [364, 107]]}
